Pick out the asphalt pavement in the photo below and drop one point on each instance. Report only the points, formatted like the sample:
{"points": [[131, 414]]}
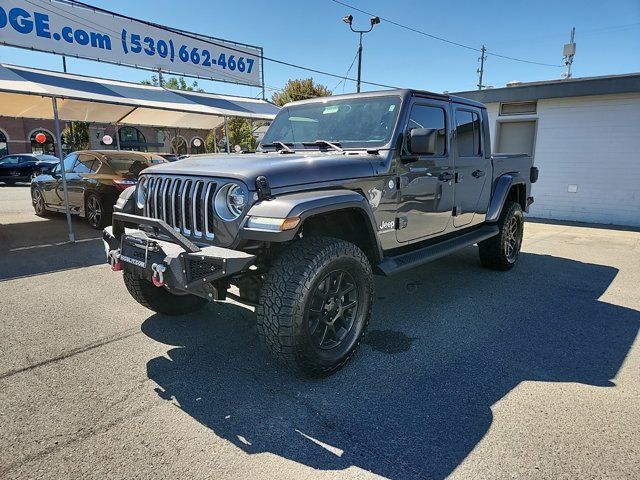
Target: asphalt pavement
{"points": [[465, 372]]}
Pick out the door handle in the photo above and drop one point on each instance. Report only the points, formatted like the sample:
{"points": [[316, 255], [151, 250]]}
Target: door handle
{"points": [[478, 173], [417, 169], [445, 176]]}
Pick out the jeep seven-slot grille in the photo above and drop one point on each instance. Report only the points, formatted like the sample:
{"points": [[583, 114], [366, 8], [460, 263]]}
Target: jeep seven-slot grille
{"points": [[184, 203]]}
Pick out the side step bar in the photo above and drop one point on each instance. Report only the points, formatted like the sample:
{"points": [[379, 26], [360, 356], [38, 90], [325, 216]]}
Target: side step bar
{"points": [[405, 261]]}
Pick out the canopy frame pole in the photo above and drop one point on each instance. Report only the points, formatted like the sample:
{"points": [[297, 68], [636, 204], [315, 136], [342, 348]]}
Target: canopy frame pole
{"points": [[226, 134], [251, 132], [56, 120], [117, 125]]}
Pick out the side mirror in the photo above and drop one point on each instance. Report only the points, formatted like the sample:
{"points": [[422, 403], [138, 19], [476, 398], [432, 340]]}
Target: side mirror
{"points": [[422, 141]]}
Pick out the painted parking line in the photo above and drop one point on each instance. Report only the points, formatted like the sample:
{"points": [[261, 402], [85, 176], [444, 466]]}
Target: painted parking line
{"points": [[44, 245]]}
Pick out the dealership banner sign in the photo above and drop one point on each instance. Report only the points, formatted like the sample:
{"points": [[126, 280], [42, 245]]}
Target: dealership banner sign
{"points": [[66, 28]]}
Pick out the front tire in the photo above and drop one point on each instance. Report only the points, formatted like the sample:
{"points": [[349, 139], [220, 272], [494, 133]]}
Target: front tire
{"points": [[159, 299], [39, 206], [315, 305], [501, 252]]}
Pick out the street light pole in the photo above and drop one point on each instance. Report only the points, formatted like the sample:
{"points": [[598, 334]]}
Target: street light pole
{"points": [[348, 19]]}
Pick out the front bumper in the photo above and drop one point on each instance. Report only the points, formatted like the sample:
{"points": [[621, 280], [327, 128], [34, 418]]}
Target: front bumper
{"points": [[173, 262]]}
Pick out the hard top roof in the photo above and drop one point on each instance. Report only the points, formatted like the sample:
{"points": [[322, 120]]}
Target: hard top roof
{"points": [[402, 92]]}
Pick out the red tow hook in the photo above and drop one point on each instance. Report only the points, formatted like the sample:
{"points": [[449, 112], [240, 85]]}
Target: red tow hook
{"points": [[158, 274], [114, 260]]}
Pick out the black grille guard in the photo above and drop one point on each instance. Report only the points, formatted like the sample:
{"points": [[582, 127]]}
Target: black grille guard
{"points": [[122, 220]]}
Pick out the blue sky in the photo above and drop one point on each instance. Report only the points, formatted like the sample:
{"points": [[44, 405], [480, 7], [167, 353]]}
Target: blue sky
{"points": [[313, 34]]}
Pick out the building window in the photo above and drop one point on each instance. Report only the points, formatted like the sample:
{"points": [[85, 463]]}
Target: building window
{"points": [[197, 145], [520, 108], [4, 149], [132, 139], [179, 146], [48, 147]]}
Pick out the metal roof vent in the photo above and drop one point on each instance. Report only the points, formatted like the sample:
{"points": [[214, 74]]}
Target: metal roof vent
{"points": [[514, 83]]}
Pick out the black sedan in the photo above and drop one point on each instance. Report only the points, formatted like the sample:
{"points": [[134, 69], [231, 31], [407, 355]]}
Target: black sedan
{"points": [[22, 167], [94, 182]]}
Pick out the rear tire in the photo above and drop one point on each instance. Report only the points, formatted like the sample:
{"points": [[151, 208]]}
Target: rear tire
{"points": [[98, 215], [159, 299], [501, 252], [315, 305]]}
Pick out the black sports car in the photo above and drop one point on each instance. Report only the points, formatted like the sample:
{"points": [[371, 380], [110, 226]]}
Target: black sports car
{"points": [[94, 182], [22, 167]]}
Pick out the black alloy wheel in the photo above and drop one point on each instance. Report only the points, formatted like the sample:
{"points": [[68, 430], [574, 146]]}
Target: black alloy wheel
{"points": [[38, 203], [95, 212], [513, 238], [332, 310]]}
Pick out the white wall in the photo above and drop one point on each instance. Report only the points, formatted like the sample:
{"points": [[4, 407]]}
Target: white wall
{"points": [[593, 143]]}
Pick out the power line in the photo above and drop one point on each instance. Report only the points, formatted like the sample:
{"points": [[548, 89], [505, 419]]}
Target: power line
{"points": [[211, 42], [344, 79], [442, 39]]}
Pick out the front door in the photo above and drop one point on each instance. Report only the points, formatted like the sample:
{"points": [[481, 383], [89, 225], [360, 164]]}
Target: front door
{"points": [[67, 164], [472, 168], [426, 185]]}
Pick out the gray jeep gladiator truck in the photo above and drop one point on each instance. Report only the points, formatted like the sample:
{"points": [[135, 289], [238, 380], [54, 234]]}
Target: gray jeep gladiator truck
{"points": [[340, 188]]}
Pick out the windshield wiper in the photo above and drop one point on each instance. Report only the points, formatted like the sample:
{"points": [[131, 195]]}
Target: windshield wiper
{"points": [[326, 143], [276, 143]]}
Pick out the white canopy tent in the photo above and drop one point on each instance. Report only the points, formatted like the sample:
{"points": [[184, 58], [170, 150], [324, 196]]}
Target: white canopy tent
{"points": [[42, 94]]}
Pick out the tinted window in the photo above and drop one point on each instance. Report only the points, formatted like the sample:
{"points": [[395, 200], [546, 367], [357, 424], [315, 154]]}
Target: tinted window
{"points": [[423, 116], [467, 133], [10, 161], [68, 162], [128, 164], [86, 164]]}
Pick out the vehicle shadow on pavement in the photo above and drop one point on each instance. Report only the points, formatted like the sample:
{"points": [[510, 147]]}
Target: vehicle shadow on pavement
{"points": [[416, 411], [41, 246]]}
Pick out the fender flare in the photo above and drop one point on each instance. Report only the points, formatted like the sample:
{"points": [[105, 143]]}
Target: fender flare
{"points": [[306, 205], [500, 191]]}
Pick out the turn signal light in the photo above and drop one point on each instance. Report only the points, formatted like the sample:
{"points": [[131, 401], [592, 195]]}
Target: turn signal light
{"points": [[274, 224]]}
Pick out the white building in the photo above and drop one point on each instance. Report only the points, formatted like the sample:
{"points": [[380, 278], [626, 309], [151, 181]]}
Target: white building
{"points": [[584, 134]]}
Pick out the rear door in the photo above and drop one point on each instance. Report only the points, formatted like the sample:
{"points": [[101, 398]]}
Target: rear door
{"points": [[426, 184], [473, 169]]}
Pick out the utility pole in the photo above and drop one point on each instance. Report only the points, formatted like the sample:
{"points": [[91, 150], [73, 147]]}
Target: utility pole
{"points": [[568, 53], [348, 19], [480, 71]]}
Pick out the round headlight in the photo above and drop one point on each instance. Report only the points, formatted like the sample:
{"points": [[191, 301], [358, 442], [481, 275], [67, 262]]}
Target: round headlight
{"points": [[230, 201], [141, 193]]}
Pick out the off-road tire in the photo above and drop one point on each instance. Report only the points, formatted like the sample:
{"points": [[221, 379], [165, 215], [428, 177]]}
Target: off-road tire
{"points": [[159, 299], [494, 251], [286, 296]]}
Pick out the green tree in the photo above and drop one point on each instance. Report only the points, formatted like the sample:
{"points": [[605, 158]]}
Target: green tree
{"points": [[240, 134], [76, 136], [300, 89], [173, 83]]}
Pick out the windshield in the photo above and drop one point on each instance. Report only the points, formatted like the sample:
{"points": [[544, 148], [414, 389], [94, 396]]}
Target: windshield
{"points": [[131, 164], [351, 123]]}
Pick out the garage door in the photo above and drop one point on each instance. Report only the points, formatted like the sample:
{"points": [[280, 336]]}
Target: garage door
{"points": [[516, 137]]}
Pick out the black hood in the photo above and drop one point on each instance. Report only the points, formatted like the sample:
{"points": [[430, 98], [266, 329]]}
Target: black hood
{"points": [[282, 170]]}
